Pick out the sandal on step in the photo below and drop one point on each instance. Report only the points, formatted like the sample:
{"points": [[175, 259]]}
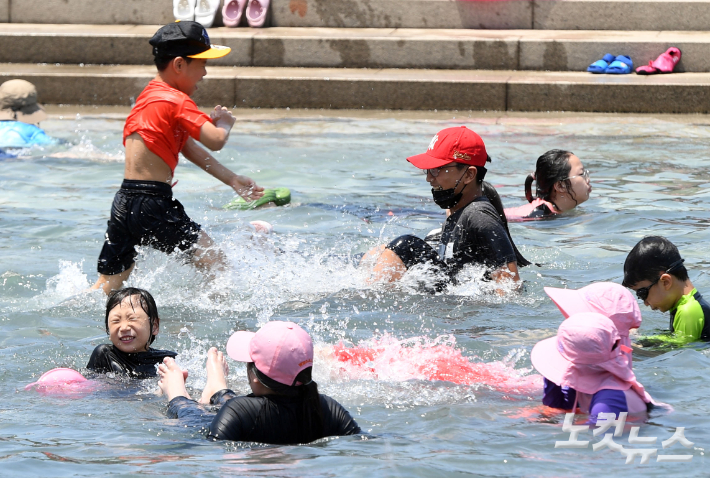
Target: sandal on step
{"points": [[665, 63], [205, 11], [184, 10], [622, 65], [600, 66], [232, 12], [256, 12]]}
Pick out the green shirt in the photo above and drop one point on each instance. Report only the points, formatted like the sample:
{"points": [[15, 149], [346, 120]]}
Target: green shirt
{"points": [[687, 322]]}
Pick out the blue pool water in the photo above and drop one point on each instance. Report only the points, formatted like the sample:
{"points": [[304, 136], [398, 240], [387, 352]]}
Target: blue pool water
{"points": [[347, 172]]}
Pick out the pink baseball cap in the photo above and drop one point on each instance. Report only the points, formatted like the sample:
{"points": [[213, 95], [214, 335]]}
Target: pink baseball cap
{"points": [[280, 350], [452, 145], [583, 356], [607, 298]]}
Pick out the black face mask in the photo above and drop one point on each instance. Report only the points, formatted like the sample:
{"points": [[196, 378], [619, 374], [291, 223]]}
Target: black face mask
{"points": [[447, 198]]}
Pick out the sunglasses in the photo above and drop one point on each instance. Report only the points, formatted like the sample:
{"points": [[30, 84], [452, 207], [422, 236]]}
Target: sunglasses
{"points": [[642, 293], [435, 171]]}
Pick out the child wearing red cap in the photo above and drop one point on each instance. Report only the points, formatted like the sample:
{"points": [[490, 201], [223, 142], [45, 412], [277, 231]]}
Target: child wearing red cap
{"points": [[475, 232], [284, 406], [164, 123]]}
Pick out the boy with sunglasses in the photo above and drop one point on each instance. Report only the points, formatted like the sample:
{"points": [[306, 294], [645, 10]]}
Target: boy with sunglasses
{"points": [[655, 271]]}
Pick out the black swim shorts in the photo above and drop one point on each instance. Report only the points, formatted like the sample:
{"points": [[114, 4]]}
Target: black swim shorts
{"points": [[413, 250], [144, 213]]}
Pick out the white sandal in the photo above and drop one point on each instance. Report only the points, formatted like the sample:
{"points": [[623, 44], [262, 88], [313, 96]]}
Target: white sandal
{"points": [[205, 12], [184, 10]]}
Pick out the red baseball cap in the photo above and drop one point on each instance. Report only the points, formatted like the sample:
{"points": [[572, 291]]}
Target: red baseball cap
{"points": [[452, 145]]}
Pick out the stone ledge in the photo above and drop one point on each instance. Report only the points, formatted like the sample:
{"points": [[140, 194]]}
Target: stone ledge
{"points": [[510, 14], [111, 12], [359, 47], [451, 14], [383, 89], [629, 15]]}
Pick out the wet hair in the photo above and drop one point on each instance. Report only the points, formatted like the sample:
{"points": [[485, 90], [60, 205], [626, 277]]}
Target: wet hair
{"points": [[651, 257], [551, 168], [145, 300], [494, 198], [311, 417], [481, 170], [162, 62]]}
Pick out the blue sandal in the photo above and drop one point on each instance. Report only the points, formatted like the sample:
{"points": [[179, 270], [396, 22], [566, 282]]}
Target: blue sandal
{"points": [[622, 65], [600, 66]]}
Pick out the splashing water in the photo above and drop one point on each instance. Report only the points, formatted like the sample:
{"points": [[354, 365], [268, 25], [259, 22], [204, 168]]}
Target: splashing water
{"points": [[421, 358]]}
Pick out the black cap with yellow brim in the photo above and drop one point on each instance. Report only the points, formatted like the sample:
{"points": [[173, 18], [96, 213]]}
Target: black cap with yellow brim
{"points": [[215, 51], [186, 39]]}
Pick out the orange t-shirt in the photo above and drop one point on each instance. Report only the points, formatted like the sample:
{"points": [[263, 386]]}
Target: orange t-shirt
{"points": [[164, 117]]}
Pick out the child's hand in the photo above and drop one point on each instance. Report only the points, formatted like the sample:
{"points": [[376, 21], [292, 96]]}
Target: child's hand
{"points": [[221, 116], [247, 188]]}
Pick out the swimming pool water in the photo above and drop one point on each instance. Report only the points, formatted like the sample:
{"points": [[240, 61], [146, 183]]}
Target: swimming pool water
{"points": [[351, 189]]}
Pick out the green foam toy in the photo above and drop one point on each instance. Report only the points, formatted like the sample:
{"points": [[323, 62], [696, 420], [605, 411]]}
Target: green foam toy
{"points": [[278, 196]]}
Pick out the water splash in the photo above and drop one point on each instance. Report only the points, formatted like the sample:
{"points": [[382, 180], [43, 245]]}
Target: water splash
{"points": [[421, 358]]}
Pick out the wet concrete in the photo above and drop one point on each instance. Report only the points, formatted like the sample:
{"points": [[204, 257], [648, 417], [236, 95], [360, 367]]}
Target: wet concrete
{"points": [[360, 47], [268, 87]]}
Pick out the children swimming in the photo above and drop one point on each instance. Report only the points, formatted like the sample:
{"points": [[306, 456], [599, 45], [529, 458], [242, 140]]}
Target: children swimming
{"points": [[607, 298], [284, 406], [654, 270], [562, 183], [132, 323], [587, 366]]}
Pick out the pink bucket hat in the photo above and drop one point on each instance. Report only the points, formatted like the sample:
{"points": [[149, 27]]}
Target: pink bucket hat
{"points": [[581, 357], [280, 350], [607, 298]]}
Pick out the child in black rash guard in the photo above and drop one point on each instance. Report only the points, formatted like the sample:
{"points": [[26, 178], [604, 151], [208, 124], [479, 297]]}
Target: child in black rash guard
{"points": [[284, 407], [132, 323]]}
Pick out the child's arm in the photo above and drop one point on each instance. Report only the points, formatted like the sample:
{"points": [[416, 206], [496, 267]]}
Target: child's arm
{"points": [[244, 186], [215, 134]]}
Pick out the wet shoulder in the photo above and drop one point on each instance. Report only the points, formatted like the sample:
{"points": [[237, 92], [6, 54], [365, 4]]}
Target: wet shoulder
{"points": [[479, 212], [336, 419]]}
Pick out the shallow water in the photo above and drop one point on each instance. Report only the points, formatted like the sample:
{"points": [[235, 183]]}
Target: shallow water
{"points": [[347, 173]]}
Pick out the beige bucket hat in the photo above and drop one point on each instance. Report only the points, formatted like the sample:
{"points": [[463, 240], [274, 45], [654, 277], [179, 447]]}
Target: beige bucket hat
{"points": [[18, 102]]}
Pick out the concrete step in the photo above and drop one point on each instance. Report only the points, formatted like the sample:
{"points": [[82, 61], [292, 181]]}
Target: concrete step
{"points": [[359, 47], [691, 15], [265, 87], [509, 14]]}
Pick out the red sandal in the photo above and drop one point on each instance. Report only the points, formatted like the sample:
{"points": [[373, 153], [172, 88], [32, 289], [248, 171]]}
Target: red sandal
{"points": [[665, 63]]}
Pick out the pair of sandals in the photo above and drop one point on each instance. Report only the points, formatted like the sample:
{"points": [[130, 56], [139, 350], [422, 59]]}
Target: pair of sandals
{"points": [[612, 65], [621, 65], [256, 11], [201, 11], [204, 11]]}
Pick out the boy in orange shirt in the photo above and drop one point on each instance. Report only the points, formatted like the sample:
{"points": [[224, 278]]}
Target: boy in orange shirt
{"points": [[163, 123]]}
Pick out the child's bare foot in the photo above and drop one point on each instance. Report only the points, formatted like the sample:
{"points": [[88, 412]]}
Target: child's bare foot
{"points": [[172, 379], [217, 371]]}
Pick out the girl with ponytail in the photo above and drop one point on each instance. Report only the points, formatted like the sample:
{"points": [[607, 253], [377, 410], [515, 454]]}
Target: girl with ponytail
{"points": [[284, 407], [561, 182]]}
